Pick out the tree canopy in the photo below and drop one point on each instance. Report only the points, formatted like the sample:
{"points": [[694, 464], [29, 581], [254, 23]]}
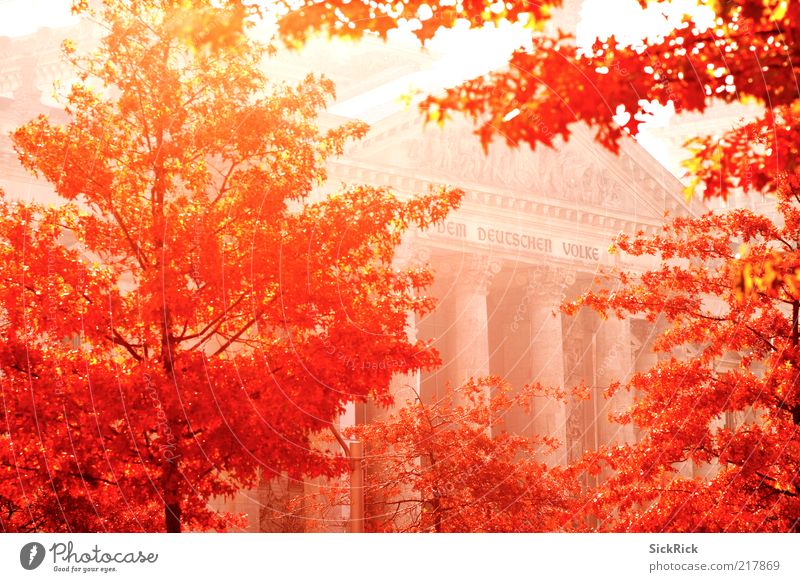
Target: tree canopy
{"points": [[448, 466], [723, 51], [191, 313], [718, 415]]}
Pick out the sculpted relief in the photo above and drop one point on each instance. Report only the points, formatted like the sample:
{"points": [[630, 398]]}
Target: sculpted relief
{"points": [[565, 173]]}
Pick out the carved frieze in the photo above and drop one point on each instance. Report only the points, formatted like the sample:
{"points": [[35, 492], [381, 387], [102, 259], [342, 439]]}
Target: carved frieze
{"points": [[564, 173]]}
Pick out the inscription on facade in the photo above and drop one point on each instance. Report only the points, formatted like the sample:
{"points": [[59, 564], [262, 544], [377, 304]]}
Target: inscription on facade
{"points": [[513, 239], [581, 251], [454, 229]]}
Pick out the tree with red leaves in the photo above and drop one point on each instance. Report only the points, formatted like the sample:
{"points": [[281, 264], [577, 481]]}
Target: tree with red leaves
{"points": [[191, 315], [719, 415], [728, 287], [448, 466], [723, 50]]}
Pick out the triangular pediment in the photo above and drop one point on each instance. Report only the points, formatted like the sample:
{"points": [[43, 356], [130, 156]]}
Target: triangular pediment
{"points": [[579, 172]]}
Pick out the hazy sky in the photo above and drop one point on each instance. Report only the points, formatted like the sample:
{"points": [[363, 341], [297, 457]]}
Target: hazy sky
{"points": [[464, 54], [19, 17]]}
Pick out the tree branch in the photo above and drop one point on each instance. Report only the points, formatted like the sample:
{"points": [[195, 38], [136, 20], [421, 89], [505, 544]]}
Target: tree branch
{"points": [[121, 341]]}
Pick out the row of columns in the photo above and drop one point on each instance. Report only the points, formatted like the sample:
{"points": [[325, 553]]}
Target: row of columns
{"points": [[474, 301], [542, 356]]}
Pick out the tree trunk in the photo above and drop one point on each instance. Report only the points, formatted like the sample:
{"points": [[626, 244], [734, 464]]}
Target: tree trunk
{"points": [[172, 501], [171, 476]]}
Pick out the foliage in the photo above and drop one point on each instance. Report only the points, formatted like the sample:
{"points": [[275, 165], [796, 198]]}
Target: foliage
{"points": [[728, 283], [746, 54], [447, 466], [209, 314], [718, 415], [718, 448]]}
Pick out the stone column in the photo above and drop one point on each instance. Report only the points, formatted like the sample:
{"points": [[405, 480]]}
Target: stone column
{"points": [[544, 294], [643, 334], [403, 386], [645, 359], [614, 363], [471, 318], [578, 369]]}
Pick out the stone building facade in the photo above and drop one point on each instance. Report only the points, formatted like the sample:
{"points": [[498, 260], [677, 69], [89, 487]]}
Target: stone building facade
{"points": [[534, 229]]}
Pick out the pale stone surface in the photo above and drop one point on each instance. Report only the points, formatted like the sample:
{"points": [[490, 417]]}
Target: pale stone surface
{"points": [[614, 364]]}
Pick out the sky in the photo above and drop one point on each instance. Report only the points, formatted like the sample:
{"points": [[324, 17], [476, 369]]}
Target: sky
{"points": [[20, 17], [462, 53]]}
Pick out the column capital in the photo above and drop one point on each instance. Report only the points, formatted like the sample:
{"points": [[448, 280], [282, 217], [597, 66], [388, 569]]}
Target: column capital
{"points": [[547, 281], [476, 272], [409, 253]]}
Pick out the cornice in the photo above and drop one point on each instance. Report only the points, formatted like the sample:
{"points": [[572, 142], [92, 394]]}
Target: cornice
{"points": [[488, 200]]}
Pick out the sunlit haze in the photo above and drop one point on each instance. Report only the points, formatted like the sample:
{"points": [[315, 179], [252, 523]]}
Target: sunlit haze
{"points": [[21, 17], [460, 53]]}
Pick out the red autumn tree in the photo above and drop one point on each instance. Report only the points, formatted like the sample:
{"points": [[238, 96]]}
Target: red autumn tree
{"points": [[718, 416], [748, 52], [191, 314], [727, 287], [447, 466]]}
